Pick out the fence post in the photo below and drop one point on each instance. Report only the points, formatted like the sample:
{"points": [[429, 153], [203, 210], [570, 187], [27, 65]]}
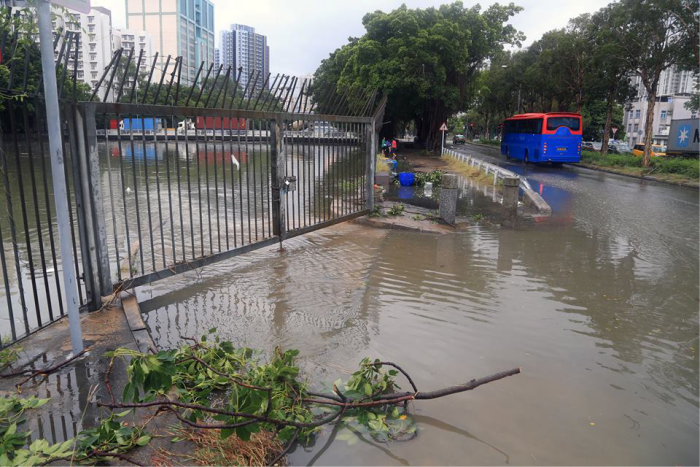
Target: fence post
{"points": [[277, 173], [101, 274], [80, 200], [511, 188], [371, 138]]}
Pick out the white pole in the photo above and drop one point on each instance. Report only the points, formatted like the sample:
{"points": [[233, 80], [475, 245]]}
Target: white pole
{"points": [[442, 149], [53, 118]]}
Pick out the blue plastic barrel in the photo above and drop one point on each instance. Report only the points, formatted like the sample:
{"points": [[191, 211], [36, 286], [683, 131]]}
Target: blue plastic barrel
{"points": [[407, 178]]}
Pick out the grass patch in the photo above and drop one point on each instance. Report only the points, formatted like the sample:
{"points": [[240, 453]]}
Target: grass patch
{"points": [[467, 170], [685, 168], [490, 142]]}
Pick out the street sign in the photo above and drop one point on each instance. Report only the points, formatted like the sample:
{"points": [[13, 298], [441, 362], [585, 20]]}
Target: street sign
{"points": [[614, 130], [82, 6], [443, 127]]}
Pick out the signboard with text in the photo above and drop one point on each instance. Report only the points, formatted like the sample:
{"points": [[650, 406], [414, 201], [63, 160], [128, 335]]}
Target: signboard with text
{"points": [[82, 6]]}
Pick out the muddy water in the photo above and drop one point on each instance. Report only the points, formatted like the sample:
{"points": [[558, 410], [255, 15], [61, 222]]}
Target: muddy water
{"points": [[598, 304]]}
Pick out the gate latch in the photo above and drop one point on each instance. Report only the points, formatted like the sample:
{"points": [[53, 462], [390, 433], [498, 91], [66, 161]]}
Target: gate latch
{"points": [[290, 183]]}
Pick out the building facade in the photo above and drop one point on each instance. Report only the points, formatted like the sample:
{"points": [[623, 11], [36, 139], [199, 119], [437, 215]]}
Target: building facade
{"points": [[241, 47], [675, 89], [95, 45], [217, 58], [137, 40], [179, 28]]}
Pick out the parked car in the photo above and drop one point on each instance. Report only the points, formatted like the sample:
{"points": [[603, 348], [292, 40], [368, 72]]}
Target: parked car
{"points": [[656, 151], [588, 145], [618, 148], [459, 139]]}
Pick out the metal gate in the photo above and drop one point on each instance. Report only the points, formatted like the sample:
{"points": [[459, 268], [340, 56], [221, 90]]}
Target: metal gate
{"points": [[164, 178]]}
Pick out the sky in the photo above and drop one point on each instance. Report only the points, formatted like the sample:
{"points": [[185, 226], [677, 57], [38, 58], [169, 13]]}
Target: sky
{"points": [[301, 33]]}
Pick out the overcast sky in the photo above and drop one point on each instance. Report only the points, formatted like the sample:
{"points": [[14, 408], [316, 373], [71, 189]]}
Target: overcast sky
{"points": [[301, 33]]}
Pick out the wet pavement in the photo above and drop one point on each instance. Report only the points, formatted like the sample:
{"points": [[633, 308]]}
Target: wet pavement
{"points": [[598, 303]]}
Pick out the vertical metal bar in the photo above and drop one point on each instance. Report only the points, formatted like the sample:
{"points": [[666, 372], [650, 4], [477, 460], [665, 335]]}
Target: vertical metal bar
{"points": [[255, 106], [150, 77], [245, 91], [166, 156], [206, 175], [114, 72], [256, 162], [196, 78], [235, 89], [60, 194], [240, 181], [277, 176], [170, 85], [163, 72], [299, 97], [269, 93], [213, 86], [8, 291], [126, 72], [247, 181], [189, 185], [233, 185], [126, 212], [179, 193], [280, 88], [287, 100], [223, 171], [252, 91], [224, 89], [370, 138], [155, 163], [65, 66], [111, 200], [177, 87], [136, 76], [204, 84], [266, 186], [99, 229], [199, 186]]}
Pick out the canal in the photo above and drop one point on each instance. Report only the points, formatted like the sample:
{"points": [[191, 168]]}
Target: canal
{"points": [[597, 303]]}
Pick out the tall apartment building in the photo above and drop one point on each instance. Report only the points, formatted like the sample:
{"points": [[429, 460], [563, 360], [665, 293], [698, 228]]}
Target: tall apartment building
{"points": [[242, 47], [217, 58], [179, 28], [137, 40], [675, 89], [95, 45]]}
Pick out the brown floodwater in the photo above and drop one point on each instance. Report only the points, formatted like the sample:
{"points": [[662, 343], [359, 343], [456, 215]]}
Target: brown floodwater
{"points": [[598, 304]]}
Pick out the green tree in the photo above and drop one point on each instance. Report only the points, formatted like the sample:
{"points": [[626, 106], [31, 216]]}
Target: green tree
{"points": [[425, 60], [651, 39]]}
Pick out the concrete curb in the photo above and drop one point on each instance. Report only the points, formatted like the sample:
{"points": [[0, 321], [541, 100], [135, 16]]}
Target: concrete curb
{"points": [[138, 327], [583, 165]]}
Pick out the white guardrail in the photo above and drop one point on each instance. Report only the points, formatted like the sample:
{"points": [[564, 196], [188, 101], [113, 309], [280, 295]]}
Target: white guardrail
{"points": [[489, 169]]}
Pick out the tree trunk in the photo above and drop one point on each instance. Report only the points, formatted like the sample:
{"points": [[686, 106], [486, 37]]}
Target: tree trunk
{"points": [[608, 118], [649, 124]]}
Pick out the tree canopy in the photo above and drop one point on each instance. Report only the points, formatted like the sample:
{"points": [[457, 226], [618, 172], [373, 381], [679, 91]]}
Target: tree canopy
{"points": [[424, 60]]}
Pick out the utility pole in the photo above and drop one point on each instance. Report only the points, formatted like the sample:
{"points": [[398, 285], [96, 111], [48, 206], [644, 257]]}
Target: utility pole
{"points": [[519, 88], [53, 119]]}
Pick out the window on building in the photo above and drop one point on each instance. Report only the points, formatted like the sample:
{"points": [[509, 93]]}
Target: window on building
{"points": [[637, 113], [629, 128], [91, 28], [80, 75], [93, 66], [92, 37], [636, 127], [663, 115], [92, 47], [91, 19], [93, 56], [93, 74]]}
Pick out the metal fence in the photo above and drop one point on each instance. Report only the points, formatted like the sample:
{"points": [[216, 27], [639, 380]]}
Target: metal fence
{"points": [[161, 184]]}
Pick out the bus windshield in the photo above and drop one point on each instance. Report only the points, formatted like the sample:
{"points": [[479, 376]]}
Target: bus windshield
{"points": [[572, 123]]}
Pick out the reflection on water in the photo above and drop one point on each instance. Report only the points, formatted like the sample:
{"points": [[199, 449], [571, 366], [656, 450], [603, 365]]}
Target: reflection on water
{"points": [[598, 307]]}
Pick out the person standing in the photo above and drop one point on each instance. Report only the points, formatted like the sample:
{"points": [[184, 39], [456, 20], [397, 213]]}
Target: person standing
{"points": [[393, 148]]}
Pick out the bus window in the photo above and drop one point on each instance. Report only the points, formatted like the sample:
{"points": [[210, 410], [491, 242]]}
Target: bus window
{"points": [[572, 123]]}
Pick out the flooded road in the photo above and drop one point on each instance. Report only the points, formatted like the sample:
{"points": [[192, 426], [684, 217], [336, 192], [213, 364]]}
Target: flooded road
{"points": [[597, 303]]}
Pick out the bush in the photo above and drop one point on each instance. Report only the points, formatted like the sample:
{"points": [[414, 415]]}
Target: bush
{"points": [[434, 177], [491, 142], [687, 167], [669, 165]]}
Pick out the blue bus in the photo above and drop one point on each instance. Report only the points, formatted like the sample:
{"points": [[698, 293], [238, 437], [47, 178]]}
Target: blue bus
{"points": [[543, 137]]}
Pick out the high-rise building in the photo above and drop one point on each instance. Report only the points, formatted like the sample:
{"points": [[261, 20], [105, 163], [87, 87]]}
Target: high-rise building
{"points": [[217, 58], [675, 89], [242, 47], [129, 39], [94, 47], [180, 28]]}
